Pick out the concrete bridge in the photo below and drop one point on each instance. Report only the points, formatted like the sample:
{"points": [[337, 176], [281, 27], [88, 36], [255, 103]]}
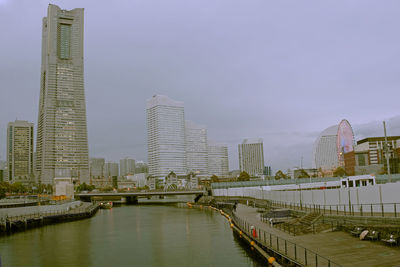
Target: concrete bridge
{"points": [[132, 197]]}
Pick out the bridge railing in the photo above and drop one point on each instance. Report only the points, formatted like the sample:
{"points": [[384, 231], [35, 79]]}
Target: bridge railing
{"points": [[285, 248]]}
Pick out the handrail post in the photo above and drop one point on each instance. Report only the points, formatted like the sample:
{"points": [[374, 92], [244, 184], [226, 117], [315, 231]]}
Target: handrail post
{"points": [[285, 247], [305, 256]]}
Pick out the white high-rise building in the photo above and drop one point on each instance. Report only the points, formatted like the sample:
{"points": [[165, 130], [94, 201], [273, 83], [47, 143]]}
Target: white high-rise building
{"points": [[20, 151], [165, 136], [97, 167], [196, 148], [251, 156], [62, 143], [218, 163], [111, 169], [126, 167]]}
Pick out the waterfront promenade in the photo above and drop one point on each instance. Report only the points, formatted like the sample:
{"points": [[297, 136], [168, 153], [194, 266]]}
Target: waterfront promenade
{"points": [[338, 247]]}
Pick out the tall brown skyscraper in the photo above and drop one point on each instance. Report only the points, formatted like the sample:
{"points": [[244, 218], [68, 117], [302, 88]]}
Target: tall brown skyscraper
{"points": [[62, 143]]}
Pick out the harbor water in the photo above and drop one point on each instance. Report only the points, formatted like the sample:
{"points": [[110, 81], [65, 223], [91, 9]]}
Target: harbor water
{"points": [[142, 235]]}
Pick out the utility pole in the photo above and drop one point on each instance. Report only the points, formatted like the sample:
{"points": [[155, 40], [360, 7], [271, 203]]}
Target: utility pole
{"points": [[387, 151]]}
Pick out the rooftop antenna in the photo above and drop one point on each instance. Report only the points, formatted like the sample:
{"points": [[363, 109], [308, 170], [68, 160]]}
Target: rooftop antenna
{"points": [[386, 151]]}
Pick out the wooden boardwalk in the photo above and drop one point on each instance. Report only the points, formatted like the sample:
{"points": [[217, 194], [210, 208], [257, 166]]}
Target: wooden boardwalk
{"points": [[338, 247]]}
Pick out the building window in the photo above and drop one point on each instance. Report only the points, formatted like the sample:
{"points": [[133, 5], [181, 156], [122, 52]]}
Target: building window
{"points": [[361, 160], [64, 41]]}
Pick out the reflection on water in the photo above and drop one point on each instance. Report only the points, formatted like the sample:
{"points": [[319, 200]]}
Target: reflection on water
{"points": [[147, 235]]}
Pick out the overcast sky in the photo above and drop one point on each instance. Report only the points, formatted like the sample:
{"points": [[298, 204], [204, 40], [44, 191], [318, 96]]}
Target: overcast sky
{"points": [[280, 70]]}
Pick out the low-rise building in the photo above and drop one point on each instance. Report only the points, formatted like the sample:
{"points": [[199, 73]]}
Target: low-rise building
{"points": [[369, 156], [63, 187], [139, 179]]}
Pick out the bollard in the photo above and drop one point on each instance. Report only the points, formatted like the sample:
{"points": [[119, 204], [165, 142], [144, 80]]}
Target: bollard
{"points": [[271, 260]]}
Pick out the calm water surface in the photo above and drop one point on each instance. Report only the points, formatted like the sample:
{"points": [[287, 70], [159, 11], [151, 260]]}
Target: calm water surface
{"points": [[144, 235]]}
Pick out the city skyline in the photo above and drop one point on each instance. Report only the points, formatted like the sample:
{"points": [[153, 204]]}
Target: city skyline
{"points": [[335, 89]]}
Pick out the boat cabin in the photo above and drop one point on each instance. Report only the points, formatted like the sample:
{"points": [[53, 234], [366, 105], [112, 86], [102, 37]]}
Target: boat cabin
{"points": [[357, 181]]}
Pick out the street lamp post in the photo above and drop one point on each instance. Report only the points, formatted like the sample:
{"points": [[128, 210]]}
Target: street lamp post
{"points": [[386, 151]]}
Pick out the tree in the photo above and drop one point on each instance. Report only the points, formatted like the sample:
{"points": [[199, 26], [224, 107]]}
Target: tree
{"points": [[49, 189], [244, 176], [303, 174], [4, 188], [41, 187], [18, 188], [339, 172], [85, 187], [214, 179], [107, 188], [280, 175]]}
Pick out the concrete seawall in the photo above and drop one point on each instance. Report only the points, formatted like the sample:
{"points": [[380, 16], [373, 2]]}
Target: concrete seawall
{"points": [[20, 219]]}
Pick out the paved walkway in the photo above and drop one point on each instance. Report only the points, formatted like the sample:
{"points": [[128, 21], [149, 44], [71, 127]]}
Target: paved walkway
{"points": [[338, 247]]}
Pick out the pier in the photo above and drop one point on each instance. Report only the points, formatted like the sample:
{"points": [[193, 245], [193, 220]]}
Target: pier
{"points": [[19, 219]]}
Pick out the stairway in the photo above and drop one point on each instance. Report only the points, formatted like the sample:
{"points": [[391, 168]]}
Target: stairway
{"points": [[303, 225], [309, 219]]}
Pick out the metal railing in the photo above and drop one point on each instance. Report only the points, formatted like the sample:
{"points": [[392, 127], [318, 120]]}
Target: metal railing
{"points": [[286, 249], [375, 209], [380, 179]]}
